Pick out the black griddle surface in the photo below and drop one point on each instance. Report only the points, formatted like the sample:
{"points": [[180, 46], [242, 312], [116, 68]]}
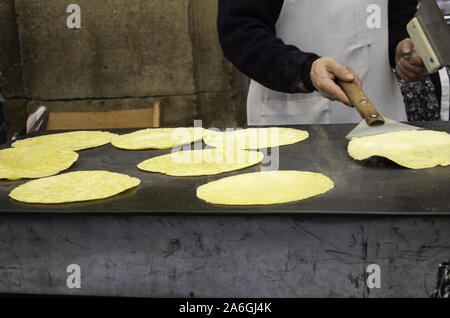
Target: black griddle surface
{"points": [[375, 186]]}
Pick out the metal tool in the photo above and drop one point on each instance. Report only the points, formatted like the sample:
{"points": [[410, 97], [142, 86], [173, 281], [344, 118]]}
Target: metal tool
{"points": [[373, 123], [443, 282], [431, 36]]}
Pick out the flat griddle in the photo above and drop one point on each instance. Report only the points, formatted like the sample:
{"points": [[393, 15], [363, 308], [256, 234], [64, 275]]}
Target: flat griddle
{"points": [[372, 187]]}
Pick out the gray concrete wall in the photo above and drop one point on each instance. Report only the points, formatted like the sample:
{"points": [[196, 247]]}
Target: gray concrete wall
{"points": [[11, 77], [10, 64], [126, 53]]}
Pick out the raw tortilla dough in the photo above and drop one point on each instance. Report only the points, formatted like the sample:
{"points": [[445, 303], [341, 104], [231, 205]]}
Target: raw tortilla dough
{"points": [[254, 138], [158, 138], [264, 188], [34, 162], [74, 187], [415, 149], [74, 140], [201, 162]]}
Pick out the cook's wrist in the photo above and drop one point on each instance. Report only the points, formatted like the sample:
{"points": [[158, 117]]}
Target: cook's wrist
{"points": [[308, 67]]}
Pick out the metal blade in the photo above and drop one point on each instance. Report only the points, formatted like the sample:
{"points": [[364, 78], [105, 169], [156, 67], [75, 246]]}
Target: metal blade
{"points": [[364, 130], [436, 29]]}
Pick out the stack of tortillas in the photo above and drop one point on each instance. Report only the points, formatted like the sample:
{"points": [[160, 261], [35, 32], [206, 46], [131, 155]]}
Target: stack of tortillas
{"points": [[415, 149]]}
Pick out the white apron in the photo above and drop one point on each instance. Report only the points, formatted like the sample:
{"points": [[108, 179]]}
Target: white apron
{"points": [[338, 29]]}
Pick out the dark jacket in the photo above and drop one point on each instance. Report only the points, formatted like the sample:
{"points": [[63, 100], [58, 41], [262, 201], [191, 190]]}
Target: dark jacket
{"points": [[248, 38]]}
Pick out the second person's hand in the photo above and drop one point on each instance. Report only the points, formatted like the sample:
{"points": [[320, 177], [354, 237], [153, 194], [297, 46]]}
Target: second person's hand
{"points": [[411, 69]]}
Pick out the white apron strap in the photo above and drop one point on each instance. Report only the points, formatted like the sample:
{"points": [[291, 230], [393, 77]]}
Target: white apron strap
{"points": [[445, 96]]}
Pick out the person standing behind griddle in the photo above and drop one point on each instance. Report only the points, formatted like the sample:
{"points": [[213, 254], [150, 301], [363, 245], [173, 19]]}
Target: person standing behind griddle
{"points": [[293, 51]]}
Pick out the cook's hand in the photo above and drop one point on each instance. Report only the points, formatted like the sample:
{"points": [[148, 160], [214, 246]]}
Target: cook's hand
{"points": [[411, 69], [323, 73]]}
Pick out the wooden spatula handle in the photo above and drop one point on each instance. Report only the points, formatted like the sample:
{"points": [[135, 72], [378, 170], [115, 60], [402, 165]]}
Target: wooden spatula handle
{"points": [[361, 102]]}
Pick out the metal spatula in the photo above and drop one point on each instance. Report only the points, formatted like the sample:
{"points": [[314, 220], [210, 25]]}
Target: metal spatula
{"points": [[431, 36], [373, 123]]}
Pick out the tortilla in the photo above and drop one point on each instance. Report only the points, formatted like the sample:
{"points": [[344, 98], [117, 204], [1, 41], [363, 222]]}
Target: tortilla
{"points": [[264, 188], [34, 162], [74, 187], [158, 138], [415, 149], [254, 138], [201, 162], [74, 140]]}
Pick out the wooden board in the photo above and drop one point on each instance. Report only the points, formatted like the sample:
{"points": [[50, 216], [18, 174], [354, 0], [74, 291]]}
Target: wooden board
{"points": [[134, 118]]}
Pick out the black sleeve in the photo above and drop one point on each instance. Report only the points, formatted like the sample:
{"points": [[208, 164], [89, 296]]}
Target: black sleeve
{"points": [[248, 38], [400, 12]]}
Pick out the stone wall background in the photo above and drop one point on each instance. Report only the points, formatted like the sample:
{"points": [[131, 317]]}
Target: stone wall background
{"points": [[126, 55]]}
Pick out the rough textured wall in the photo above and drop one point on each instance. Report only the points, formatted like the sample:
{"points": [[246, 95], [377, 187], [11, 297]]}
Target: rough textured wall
{"points": [[126, 53], [11, 69], [124, 48], [219, 84]]}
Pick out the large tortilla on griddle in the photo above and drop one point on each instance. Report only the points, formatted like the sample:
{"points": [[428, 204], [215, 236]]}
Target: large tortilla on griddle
{"points": [[158, 138], [254, 138], [74, 187], [74, 140], [414, 149], [265, 188], [201, 162], [34, 162]]}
